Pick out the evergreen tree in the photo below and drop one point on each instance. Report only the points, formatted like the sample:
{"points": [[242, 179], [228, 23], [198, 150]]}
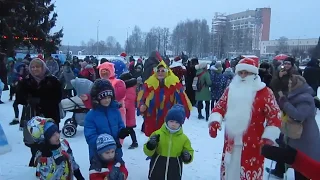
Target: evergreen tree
{"points": [[29, 24]]}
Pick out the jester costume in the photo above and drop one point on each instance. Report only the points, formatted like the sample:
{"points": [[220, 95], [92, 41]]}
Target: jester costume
{"points": [[160, 98]]}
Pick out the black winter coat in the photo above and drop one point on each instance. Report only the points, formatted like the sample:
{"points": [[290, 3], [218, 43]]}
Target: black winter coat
{"points": [[4, 75], [312, 75], [149, 64], [266, 77], [48, 91]]}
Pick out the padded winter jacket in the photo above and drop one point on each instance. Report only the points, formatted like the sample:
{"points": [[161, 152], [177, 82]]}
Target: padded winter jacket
{"points": [[166, 159], [103, 120], [100, 171], [130, 101], [59, 166]]}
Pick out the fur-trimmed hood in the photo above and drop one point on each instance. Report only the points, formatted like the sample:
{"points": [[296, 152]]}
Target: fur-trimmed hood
{"points": [[202, 65], [128, 79]]}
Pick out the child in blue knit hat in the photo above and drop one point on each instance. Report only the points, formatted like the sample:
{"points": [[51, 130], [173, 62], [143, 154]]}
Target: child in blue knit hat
{"points": [[105, 164], [54, 160], [169, 147]]}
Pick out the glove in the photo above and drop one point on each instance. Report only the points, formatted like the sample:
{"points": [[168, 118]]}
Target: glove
{"points": [[153, 142], [213, 129], [281, 155], [77, 174], [124, 132], [33, 101], [186, 156], [114, 173]]}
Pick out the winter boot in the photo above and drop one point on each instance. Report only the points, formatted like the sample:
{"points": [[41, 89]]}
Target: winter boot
{"points": [[14, 121], [133, 138], [200, 113], [274, 174], [1, 102], [133, 145]]}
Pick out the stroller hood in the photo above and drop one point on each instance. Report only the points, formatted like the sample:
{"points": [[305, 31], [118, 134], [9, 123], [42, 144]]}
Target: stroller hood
{"points": [[82, 85]]}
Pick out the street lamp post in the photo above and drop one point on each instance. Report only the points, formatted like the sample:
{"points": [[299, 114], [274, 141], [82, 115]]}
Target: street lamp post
{"points": [[98, 38], [127, 45]]}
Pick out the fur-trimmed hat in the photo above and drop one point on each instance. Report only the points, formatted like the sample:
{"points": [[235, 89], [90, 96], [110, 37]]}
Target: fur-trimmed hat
{"points": [[291, 60], [128, 79], [101, 88], [202, 65], [247, 64]]}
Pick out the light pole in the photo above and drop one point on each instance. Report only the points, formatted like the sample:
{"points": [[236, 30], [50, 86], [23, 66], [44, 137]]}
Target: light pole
{"points": [[98, 37], [127, 45]]}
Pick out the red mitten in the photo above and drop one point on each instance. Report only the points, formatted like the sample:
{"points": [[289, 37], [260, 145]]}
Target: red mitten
{"points": [[213, 129]]}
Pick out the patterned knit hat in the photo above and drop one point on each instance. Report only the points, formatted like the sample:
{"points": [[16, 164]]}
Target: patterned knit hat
{"points": [[104, 143], [101, 88]]}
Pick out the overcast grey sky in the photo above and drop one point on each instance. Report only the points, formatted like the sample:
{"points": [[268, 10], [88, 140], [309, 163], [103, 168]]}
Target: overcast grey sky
{"points": [[79, 18]]}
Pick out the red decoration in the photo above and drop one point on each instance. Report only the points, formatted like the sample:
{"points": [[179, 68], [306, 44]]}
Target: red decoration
{"points": [[25, 38]]}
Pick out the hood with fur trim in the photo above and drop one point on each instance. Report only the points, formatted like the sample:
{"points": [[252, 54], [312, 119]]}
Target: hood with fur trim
{"points": [[128, 79], [202, 65], [107, 66]]}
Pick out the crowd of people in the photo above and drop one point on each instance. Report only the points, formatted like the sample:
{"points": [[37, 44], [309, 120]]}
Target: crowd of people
{"points": [[262, 105]]}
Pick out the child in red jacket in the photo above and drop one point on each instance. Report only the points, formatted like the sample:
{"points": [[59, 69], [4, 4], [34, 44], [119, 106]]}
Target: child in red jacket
{"points": [[105, 165], [296, 159]]}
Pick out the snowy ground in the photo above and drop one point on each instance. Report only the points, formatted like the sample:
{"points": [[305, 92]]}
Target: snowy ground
{"points": [[206, 164]]}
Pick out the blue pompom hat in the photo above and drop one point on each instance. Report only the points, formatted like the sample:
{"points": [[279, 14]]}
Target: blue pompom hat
{"points": [[104, 143], [176, 113]]}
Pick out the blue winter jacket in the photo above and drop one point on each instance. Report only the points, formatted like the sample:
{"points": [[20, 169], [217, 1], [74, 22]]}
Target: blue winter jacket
{"points": [[103, 120]]}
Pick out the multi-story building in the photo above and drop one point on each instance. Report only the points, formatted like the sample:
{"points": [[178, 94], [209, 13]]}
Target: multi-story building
{"points": [[240, 33], [287, 46]]}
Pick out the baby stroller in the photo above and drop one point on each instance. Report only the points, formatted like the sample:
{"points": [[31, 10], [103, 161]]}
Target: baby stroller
{"points": [[76, 106]]}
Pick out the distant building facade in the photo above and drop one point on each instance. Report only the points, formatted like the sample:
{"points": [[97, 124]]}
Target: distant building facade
{"points": [[304, 45], [240, 33]]}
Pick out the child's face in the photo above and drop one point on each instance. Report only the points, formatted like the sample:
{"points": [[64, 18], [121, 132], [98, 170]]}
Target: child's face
{"points": [[55, 138], [108, 155], [106, 101], [105, 73], [173, 124]]}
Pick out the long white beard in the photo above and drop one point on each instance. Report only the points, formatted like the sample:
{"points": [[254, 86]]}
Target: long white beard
{"points": [[241, 96]]}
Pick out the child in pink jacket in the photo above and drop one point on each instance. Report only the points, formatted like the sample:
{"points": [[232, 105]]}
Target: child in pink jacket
{"points": [[130, 101]]}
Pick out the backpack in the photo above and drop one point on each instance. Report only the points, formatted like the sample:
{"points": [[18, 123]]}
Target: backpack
{"points": [[196, 84]]}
